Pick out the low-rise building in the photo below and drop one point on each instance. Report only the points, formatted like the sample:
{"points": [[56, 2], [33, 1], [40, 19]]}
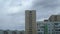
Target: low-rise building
{"points": [[40, 27], [11, 32], [48, 27]]}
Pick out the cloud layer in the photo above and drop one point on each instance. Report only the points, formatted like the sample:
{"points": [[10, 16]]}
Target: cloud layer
{"points": [[12, 12]]}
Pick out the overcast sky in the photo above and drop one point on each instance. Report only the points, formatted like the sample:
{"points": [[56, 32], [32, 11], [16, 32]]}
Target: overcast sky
{"points": [[12, 12]]}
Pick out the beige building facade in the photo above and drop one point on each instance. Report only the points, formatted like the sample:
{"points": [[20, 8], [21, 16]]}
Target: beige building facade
{"points": [[30, 22], [54, 18]]}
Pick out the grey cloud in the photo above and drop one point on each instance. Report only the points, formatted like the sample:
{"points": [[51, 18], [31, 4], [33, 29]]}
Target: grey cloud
{"points": [[10, 19], [45, 8], [46, 3]]}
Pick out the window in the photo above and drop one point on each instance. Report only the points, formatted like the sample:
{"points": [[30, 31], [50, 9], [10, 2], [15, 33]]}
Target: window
{"points": [[57, 29], [57, 32], [30, 32], [21, 32], [42, 27], [30, 29], [38, 29], [39, 32], [5, 32], [37, 24], [13, 32], [30, 11], [55, 18], [56, 23]]}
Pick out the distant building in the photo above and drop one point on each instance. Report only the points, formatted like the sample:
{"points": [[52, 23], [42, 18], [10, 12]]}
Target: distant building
{"points": [[44, 27], [54, 18], [14, 32], [11, 32], [53, 27], [1, 31], [30, 22], [5, 32], [56, 28], [21, 32], [40, 27], [48, 27]]}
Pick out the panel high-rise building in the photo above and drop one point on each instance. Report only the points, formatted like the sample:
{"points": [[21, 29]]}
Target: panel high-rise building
{"points": [[30, 22], [54, 18]]}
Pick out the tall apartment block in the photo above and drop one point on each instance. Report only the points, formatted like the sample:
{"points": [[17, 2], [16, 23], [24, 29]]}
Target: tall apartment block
{"points": [[30, 22]]}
